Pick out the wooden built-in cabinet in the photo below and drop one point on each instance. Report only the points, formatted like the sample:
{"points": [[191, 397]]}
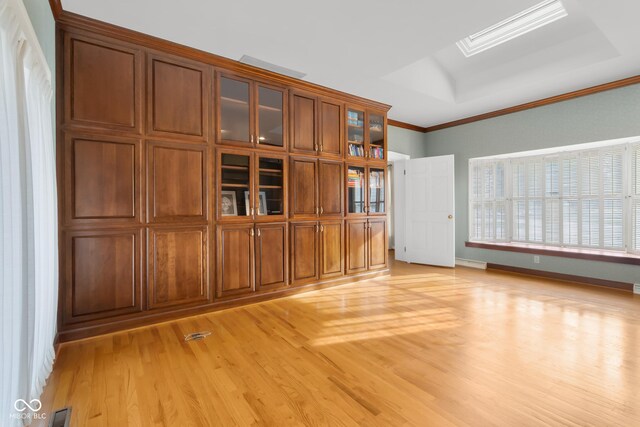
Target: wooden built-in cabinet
{"points": [[251, 186], [366, 242], [366, 135], [317, 249], [317, 125], [190, 182], [250, 113], [251, 257], [366, 190], [316, 187]]}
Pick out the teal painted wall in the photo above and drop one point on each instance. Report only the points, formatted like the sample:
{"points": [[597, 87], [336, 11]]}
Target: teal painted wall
{"points": [[45, 27], [406, 141], [601, 116]]}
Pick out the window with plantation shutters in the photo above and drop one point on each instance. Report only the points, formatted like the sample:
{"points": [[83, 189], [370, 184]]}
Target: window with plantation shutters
{"points": [[583, 196], [634, 198]]}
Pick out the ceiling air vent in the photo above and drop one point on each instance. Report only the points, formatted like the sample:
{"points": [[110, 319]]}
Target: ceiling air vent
{"points": [[528, 20], [250, 60]]}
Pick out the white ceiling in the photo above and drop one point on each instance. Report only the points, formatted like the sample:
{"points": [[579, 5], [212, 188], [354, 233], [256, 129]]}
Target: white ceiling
{"points": [[402, 53]]}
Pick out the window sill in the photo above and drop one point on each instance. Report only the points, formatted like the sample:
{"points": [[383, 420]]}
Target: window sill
{"points": [[586, 254]]}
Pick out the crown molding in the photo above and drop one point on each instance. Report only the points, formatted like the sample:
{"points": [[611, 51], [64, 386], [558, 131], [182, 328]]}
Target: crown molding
{"points": [[539, 103], [404, 125], [56, 8]]}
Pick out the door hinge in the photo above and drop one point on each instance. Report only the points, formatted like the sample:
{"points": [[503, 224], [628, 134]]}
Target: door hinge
{"points": [[405, 249], [405, 171]]}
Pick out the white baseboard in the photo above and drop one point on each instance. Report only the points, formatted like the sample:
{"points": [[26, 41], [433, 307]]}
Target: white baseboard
{"points": [[471, 263]]}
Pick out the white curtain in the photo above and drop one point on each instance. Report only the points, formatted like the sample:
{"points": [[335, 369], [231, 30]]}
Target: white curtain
{"points": [[28, 216]]}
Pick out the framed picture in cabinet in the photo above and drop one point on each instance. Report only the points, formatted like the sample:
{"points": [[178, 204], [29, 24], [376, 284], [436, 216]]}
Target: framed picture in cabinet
{"points": [[262, 202], [229, 206]]}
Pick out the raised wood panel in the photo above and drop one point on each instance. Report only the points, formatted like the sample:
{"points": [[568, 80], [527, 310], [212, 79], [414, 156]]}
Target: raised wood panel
{"points": [[177, 181], [271, 256], [356, 246], [377, 242], [177, 266], [101, 179], [330, 188], [331, 249], [178, 98], [102, 274], [235, 260], [304, 252], [104, 84], [303, 187], [303, 123], [331, 128]]}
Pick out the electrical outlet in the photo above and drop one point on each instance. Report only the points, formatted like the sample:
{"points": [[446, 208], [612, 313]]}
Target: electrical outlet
{"points": [[536, 259], [636, 288]]}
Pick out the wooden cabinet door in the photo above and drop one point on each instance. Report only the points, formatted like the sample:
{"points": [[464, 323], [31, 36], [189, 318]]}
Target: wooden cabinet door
{"points": [[331, 127], [178, 263], [304, 252], [330, 184], [102, 274], [377, 137], [271, 117], [235, 260], [303, 187], [103, 84], [377, 243], [331, 249], [234, 111], [356, 242], [178, 98], [271, 255], [303, 123]]}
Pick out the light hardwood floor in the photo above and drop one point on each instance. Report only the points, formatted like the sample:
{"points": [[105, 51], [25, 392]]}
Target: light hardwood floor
{"points": [[423, 346]]}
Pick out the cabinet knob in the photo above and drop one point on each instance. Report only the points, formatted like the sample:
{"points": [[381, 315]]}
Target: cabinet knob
{"points": [[321, 209], [322, 228], [251, 211], [251, 139], [450, 217], [258, 232], [251, 232]]}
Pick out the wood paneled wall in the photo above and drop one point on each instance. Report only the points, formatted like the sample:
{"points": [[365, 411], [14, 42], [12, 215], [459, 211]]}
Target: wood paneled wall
{"points": [[140, 240]]}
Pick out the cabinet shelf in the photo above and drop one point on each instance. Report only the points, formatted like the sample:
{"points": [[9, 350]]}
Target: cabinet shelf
{"points": [[271, 186], [235, 185], [235, 168], [278, 171]]}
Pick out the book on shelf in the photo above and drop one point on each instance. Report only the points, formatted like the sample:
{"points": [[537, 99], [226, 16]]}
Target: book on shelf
{"points": [[356, 150], [377, 152]]}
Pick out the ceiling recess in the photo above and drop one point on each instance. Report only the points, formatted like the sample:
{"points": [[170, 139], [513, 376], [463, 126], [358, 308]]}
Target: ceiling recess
{"points": [[528, 20]]}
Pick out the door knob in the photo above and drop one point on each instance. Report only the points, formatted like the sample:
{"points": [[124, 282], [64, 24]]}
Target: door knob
{"points": [[450, 217]]}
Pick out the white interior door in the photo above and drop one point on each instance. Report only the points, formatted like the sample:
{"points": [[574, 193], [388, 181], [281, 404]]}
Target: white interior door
{"points": [[429, 202]]}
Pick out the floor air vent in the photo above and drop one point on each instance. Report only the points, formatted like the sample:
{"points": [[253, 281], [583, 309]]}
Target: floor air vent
{"points": [[197, 336], [61, 418], [636, 288]]}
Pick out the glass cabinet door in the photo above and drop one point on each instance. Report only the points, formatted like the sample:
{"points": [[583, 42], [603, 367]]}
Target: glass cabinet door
{"points": [[356, 202], [376, 136], [355, 133], [376, 191], [235, 111], [235, 185], [270, 196], [270, 116]]}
